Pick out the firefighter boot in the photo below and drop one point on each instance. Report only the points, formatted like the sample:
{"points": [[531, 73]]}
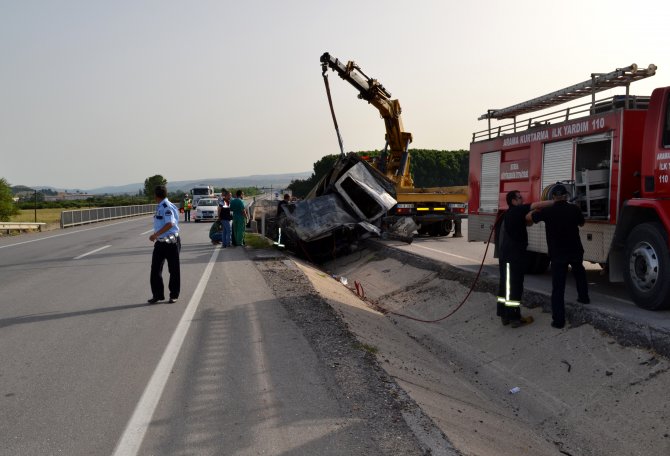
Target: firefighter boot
{"points": [[522, 322]]}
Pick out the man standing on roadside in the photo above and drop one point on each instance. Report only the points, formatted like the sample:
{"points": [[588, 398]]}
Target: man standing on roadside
{"points": [[562, 222], [282, 203], [166, 247], [240, 216], [225, 218], [512, 242]]}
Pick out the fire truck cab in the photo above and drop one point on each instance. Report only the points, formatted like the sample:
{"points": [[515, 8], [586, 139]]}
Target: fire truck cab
{"points": [[614, 156]]}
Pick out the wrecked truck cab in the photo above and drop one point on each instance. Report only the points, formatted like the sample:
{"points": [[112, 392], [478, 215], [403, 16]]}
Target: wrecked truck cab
{"points": [[320, 229], [343, 208], [363, 194]]}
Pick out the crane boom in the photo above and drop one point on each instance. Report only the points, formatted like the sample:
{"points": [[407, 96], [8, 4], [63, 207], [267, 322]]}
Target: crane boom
{"points": [[395, 162]]}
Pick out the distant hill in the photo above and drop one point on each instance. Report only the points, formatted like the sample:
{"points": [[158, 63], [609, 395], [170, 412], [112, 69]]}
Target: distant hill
{"points": [[16, 189], [266, 180]]}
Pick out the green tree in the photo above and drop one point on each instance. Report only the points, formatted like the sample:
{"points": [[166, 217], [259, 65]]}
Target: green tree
{"points": [[301, 187], [439, 168], [7, 206], [324, 165], [429, 168], [150, 183]]}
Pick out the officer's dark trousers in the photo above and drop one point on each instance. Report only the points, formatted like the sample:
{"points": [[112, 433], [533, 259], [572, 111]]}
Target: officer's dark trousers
{"points": [[162, 252], [510, 288], [559, 273]]}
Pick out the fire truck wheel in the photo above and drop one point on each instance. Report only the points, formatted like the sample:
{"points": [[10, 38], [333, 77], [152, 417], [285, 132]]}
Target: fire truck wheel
{"points": [[647, 264]]}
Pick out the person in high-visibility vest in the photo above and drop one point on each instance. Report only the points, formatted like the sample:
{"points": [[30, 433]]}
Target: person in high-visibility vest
{"points": [[187, 205]]}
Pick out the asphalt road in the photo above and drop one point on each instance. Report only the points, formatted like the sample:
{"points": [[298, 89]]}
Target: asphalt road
{"points": [[88, 368]]}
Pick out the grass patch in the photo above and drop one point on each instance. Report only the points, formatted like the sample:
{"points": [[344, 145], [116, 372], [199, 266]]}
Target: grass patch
{"points": [[49, 216], [257, 241], [365, 347]]}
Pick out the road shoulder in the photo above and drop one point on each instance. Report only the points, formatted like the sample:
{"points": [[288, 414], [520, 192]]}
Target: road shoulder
{"points": [[396, 423]]}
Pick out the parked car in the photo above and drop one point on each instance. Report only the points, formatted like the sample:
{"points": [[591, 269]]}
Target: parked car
{"points": [[207, 209]]}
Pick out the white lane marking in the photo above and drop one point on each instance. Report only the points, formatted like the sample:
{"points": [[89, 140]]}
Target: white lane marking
{"points": [[131, 440], [146, 232], [91, 252], [64, 234], [450, 254]]}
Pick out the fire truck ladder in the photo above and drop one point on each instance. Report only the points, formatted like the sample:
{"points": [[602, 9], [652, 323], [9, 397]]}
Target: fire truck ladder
{"points": [[598, 82], [622, 77]]}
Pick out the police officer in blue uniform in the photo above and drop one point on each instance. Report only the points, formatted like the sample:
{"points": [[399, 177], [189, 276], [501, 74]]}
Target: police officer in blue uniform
{"points": [[166, 247]]}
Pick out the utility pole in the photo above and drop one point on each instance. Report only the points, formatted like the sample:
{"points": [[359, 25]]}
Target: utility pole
{"points": [[35, 205]]}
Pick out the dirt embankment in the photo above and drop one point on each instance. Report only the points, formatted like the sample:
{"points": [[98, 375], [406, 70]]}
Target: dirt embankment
{"points": [[364, 390], [580, 392]]}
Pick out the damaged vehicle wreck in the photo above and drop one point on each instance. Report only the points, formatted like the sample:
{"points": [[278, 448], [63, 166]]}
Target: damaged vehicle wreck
{"points": [[348, 205]]}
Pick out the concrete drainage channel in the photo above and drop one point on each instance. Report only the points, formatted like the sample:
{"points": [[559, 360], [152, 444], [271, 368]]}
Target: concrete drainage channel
{"points": [[579, 391]]}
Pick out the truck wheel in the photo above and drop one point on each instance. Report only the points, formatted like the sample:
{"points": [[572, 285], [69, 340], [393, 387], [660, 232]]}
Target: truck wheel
{"points": [[647, 265], [445, 227]]}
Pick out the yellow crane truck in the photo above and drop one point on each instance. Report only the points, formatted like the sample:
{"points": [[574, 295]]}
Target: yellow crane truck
{"points": [[436, 210]]}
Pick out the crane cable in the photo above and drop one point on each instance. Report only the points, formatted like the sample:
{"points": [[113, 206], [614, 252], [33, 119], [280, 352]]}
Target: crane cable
{"points": [[358, 287], [361, 293], [332, 110]]}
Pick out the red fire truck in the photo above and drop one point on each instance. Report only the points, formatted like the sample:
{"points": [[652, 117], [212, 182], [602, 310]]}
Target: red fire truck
{"points": [[614, 156]]}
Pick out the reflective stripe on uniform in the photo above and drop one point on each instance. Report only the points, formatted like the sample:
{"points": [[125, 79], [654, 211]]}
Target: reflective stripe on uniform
{"points": [[507, 284], [508, 290]]}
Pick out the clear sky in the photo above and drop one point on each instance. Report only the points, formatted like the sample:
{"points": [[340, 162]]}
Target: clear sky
{"points": [[96, 93]]}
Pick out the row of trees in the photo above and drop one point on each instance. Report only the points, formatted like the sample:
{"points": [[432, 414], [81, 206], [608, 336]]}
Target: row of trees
{"points": [[151, 182], [429, 168]]}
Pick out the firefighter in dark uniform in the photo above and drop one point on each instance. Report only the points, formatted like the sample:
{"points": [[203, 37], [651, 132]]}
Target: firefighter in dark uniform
{"points": [[166, 247], [562, 222], [512, 240]]}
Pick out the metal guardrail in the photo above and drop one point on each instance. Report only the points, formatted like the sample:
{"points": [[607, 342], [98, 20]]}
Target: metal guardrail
{"points": [[86, 216], [21, 226]]}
